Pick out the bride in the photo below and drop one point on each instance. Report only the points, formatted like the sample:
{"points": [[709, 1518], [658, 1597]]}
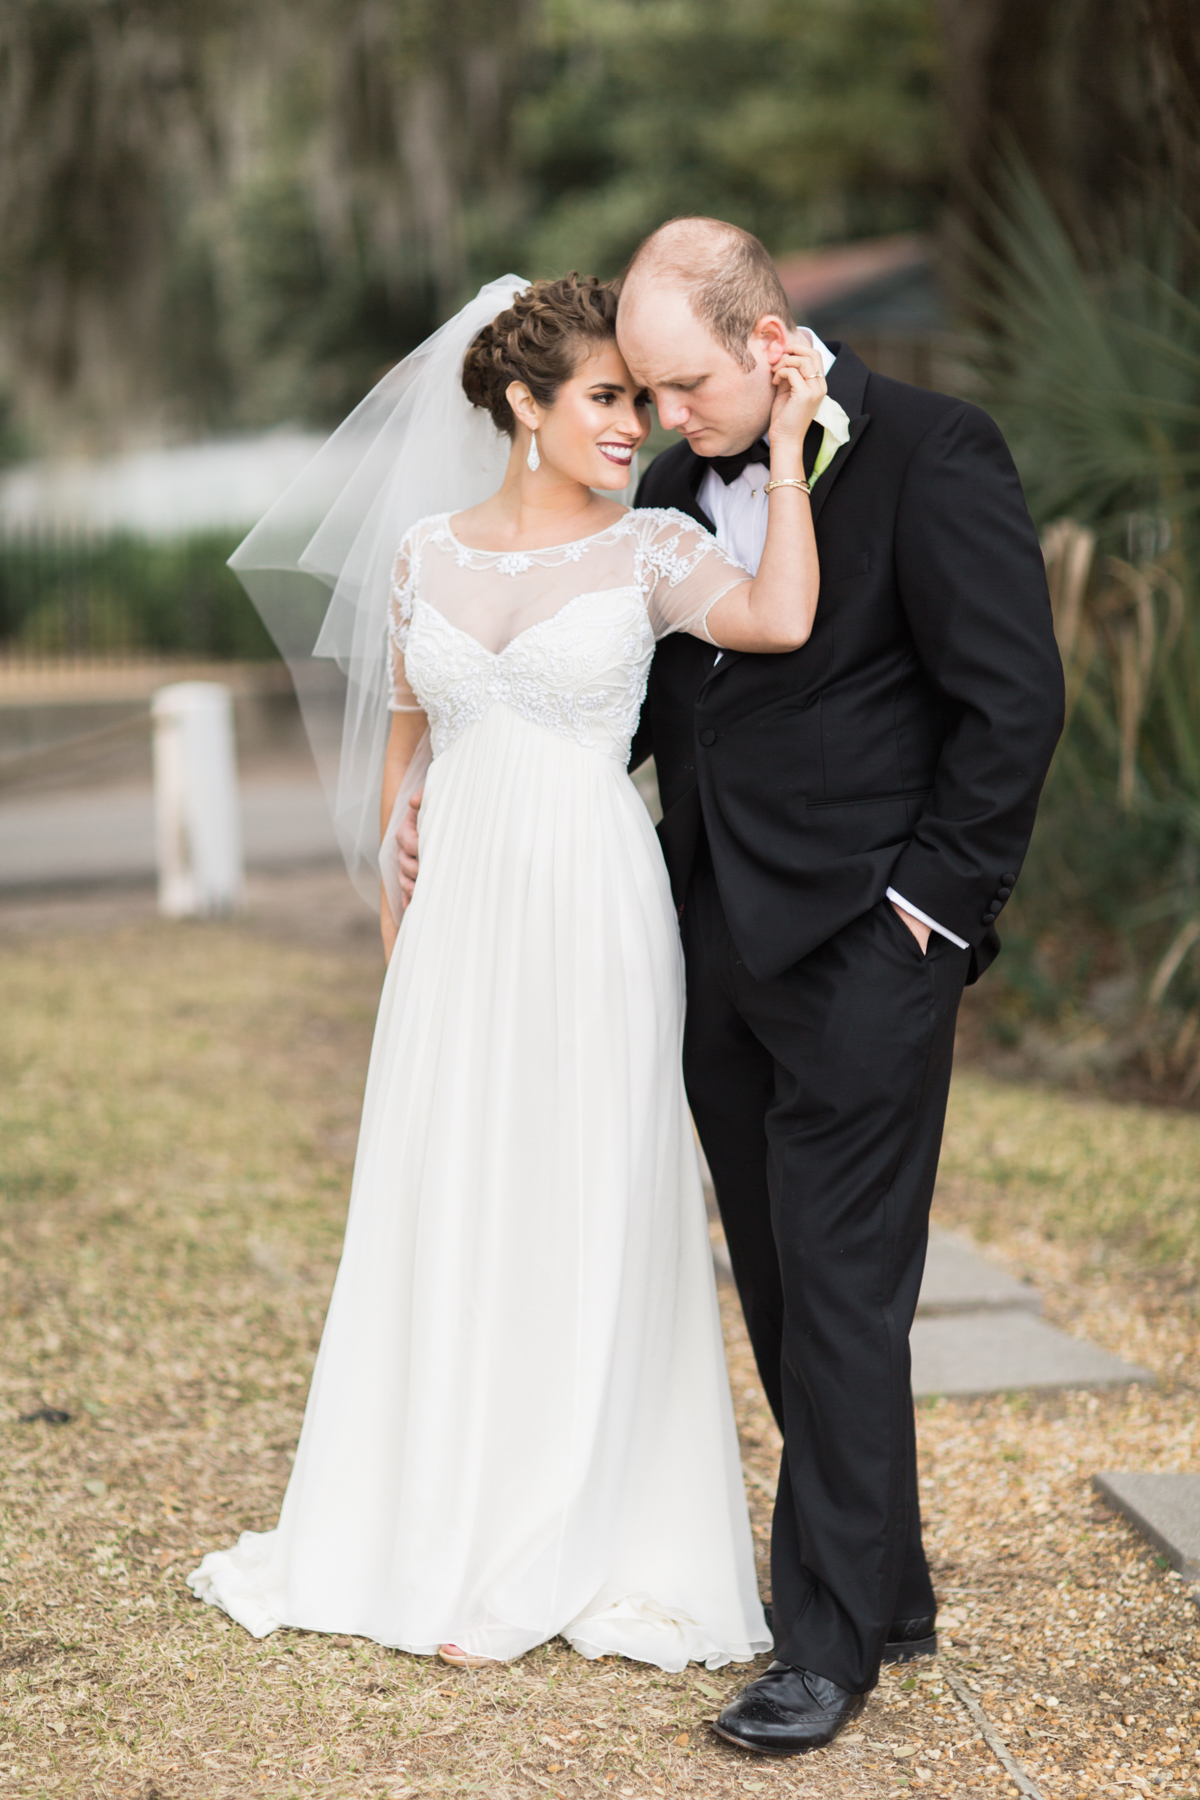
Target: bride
{"points": [[520, 1422]]}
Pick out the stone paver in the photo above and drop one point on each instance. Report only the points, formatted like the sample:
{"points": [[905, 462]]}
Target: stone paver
{"points": [[991, 1352], [959, 1280], [977, 1329], [1165, 1508]]}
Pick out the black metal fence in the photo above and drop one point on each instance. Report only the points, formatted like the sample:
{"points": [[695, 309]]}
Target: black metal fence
{"points": [[69, 594]]}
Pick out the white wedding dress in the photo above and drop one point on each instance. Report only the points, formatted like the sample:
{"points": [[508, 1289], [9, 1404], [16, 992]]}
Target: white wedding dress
{"points": [[520, 1422]]}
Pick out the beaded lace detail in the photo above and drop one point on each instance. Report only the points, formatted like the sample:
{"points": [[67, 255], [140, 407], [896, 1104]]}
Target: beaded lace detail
{"points": [[579, 667], [581, 673]]}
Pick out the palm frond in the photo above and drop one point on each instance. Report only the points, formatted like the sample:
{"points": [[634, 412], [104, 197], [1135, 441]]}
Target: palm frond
{"points": [[1093, 370], [1092, 366]]}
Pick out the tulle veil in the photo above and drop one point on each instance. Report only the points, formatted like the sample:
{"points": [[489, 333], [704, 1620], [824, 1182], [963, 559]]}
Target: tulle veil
{"points": [[318, 565]]}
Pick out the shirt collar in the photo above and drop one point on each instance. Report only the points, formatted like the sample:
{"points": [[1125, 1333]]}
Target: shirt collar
{"points": [[823, 351]]}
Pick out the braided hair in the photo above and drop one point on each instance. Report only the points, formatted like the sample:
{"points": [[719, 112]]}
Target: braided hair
{"points": [[541, 339]]}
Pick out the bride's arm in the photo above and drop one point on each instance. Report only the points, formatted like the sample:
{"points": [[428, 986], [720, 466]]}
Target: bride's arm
{"points": [[408, 728], [775, 611]]}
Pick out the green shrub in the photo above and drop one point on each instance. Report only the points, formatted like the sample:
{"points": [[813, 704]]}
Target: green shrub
{"points": [[71, 595]]}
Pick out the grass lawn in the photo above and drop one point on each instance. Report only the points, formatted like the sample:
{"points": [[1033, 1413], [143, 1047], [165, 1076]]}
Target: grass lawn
{"points": [[178, 1108], [1121, 1182]]}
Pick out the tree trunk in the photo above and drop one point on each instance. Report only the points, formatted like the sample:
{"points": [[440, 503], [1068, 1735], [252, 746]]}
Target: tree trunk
{"points": [[1101, 98]]}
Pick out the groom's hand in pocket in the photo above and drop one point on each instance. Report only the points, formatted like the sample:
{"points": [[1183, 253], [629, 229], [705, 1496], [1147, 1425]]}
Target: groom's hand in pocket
{"points": [[407, 840], [919, 931]]}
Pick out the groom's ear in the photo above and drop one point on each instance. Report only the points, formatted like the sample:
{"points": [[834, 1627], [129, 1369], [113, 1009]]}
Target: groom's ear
{"points": [[770, 335]]}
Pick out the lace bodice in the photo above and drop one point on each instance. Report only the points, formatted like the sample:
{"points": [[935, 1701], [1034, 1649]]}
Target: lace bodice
{"points": [[563, 635]]}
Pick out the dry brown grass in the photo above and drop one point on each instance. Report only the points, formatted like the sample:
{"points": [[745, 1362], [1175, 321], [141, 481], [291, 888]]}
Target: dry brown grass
{"points": [[177, 1119]]}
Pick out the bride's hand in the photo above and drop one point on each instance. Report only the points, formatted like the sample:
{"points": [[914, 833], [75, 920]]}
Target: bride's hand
{"points": [[799, 390], [408, 846]]}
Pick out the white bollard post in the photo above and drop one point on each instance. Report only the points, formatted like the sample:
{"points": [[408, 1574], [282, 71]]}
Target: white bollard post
{"points": [[196, 813]]}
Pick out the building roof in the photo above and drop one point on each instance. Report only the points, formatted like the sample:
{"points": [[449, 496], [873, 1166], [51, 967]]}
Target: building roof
{"points": [[886, 284]]}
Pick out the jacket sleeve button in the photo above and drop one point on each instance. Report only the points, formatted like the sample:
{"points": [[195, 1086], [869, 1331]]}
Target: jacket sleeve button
{"points": [[1002, 893], [1010, 880], [989, 918], [708, 736]]}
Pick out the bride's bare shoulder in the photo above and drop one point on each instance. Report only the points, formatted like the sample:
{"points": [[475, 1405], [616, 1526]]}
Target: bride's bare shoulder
{"points": [[473, 523]]}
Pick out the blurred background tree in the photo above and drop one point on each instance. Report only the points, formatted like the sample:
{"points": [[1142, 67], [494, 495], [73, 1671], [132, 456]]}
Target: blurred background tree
{"points": [[805, 125], [1102, 97], [103, 107], [217, 218]]}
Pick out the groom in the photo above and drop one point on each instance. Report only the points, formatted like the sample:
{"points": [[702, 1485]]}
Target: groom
{"points": [[842, 826]]}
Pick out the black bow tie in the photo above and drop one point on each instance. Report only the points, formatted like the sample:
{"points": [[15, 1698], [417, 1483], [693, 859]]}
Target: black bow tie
{"points": [[730, 467]]}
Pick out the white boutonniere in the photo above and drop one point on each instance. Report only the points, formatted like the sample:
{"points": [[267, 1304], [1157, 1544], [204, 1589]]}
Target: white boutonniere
{"points": [[836, 421]]}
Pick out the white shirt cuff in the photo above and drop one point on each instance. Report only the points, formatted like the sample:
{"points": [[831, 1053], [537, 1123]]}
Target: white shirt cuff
{"points": [[925, 919]]}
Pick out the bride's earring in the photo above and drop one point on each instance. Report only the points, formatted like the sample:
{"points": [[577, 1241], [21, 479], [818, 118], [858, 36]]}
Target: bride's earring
{"points": [[533, 459]]}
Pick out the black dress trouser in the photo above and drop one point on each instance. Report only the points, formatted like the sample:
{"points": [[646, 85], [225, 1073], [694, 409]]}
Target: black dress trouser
{"points": [[820, 1098]]}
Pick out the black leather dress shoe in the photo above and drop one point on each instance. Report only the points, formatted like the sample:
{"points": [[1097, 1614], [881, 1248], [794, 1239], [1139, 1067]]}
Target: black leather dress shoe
{"points": [[908, 1638], [788, 1711]]}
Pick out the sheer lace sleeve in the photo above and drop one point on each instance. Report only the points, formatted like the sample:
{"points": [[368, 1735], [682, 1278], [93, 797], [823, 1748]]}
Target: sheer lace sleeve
{"points": [[683, 571], [401, 699], [400, 696]]}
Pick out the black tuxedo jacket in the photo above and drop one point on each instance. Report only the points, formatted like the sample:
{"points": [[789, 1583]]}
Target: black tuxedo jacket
{"points": [[906, 743]]}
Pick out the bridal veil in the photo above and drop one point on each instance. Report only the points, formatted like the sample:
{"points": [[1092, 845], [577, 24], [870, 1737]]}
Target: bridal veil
{"points": [[318, 565]]}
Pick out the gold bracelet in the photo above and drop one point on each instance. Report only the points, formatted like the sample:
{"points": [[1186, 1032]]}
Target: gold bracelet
{"points": [[788, 481]]}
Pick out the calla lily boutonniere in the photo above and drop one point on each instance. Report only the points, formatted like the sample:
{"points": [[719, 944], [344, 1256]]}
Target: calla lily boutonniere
{"points": [[836, 421]]}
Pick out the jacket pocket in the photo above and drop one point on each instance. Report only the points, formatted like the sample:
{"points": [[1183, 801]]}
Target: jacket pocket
{"points": [[869, 799], [894, 923]]}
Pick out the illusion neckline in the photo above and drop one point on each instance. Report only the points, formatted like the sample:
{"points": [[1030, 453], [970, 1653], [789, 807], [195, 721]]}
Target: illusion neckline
{"points": [[542, 549], [497, 655]]}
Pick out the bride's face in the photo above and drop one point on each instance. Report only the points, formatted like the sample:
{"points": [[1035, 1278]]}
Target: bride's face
{"points": [[598, 420]]}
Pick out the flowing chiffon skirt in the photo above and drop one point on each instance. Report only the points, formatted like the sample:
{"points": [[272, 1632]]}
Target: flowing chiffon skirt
{"points": [[520, 1421]]}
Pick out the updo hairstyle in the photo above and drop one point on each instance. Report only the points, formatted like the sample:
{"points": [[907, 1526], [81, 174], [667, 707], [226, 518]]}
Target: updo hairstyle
{"points": [[541, 339]]}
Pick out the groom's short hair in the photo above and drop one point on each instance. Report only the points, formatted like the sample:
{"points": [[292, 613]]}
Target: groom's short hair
{"points": [[730, 281]]}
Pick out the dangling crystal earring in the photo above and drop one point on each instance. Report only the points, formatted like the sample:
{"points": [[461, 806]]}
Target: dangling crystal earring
{"points": [[533, 459]]}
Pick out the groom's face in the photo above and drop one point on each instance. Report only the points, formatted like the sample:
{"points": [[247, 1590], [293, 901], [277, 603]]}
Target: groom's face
{"points": [[699, 389]]}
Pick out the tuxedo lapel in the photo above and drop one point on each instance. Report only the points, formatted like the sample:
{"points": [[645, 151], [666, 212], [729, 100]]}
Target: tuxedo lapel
{"points": [[847, 384], [697, 470], [847, 380], [833, 469], [685, 472]]}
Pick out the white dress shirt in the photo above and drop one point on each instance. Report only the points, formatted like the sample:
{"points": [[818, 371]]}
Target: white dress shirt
{"points": [[739, 514]]}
